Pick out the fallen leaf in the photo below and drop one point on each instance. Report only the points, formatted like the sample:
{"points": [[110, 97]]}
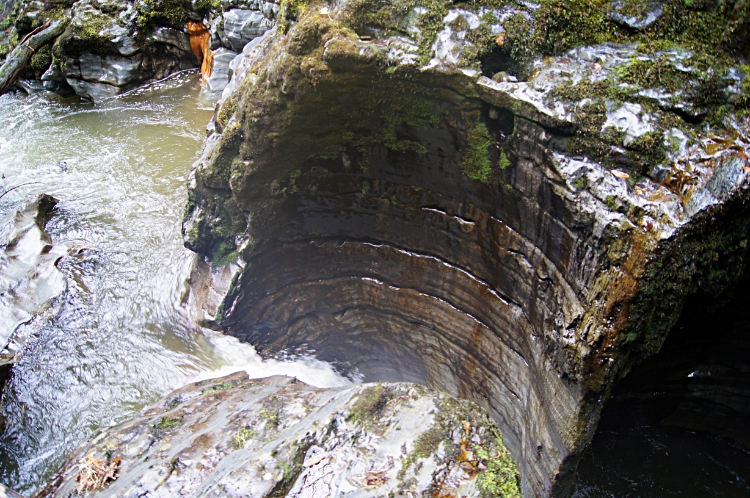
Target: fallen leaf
{"points": [[746, 169], [467, 426], [619, 174], [714, 148]]}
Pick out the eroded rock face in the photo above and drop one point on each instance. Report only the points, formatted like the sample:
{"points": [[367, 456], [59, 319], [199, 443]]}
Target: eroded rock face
{"points": [[237, 437], [30, 283], [111, 47], [517, 243]]}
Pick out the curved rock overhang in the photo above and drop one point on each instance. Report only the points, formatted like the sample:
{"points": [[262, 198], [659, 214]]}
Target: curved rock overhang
{"points": [[428, 226]]}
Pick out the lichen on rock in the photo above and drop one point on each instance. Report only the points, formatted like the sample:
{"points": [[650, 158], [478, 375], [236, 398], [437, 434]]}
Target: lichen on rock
{"points": [[280, 437]]}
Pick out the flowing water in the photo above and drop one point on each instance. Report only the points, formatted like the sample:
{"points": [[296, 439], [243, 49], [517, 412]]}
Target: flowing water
{"points": [[121, 339]]}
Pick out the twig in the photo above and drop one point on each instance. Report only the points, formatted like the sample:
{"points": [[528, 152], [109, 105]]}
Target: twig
{"points": [[656, 59], [17, 186]]}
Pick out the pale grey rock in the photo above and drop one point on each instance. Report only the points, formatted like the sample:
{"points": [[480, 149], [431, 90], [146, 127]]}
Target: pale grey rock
{"points": [[123, 38], [651, 11], [239, 66], [630, 119], [171, 36], [450, 44], [220, 75], [54, 80], [31, 86], [270, 10], [30, 283], [241, 26], [279, 437], [93, 90], [113, 70]]}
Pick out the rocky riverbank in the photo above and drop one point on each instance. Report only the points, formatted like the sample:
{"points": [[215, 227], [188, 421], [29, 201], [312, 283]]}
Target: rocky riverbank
{"points": [[111, 47], [279, 437]]}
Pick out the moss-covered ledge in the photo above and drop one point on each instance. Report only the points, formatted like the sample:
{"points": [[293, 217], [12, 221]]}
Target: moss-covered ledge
{"points": [[414, 196]]}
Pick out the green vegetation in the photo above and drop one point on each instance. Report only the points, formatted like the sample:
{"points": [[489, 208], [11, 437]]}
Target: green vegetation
{"points": [[498, 474], [41, 60], [225, 253], [218, 387], [243, 436], [611, 202], [504, 161], [170, 12], [476, 159], [501, 478], [272, 416], [581, 183], [390, 112], [226, 112], [167, 423], [86, 38], [208, 5], [369, 407]]}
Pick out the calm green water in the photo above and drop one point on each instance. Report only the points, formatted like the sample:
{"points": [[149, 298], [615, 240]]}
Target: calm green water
{"points": [[121, 340]]}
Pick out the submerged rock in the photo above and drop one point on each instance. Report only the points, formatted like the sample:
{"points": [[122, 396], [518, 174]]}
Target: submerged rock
{"points": [[237, 437]]}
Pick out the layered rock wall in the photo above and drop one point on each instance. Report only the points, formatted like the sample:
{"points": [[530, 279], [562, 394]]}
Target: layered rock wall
{"points": [[520, 244]]}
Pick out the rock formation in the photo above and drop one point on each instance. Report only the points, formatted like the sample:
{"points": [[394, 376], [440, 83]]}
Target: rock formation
{"points": [[113, 46], [236, 437], [506, 202], [30, 282]]}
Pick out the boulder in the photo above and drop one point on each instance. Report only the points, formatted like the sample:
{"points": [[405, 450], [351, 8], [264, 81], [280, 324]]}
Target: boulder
{"points": [[241, 26], [243, 437]]}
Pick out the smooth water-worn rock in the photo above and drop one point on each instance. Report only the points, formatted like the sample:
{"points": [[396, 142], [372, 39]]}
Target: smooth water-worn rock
{"points": [[29, 279], [411, 213], [236, 437], [30, 283], [111, 47]]}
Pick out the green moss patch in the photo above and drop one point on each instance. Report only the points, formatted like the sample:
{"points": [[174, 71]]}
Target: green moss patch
{"points": [[370, 405], [497, 473], [476, 158], [169, 12]]}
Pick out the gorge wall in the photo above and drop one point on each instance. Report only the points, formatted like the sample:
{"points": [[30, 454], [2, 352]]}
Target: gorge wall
{"points": [[506, 201], [520, 241]]}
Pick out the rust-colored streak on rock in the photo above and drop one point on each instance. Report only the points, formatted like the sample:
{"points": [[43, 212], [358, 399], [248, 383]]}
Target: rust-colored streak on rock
{"points": [[200, 44]]}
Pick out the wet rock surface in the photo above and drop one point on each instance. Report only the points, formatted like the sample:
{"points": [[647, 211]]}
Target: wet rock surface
{"points": [[520, 240], [30, 282], [29, 279], [235, 436], [112, 47]]}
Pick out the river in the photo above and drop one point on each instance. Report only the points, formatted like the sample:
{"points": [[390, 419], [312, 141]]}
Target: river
{"points": [[121, 340]]}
